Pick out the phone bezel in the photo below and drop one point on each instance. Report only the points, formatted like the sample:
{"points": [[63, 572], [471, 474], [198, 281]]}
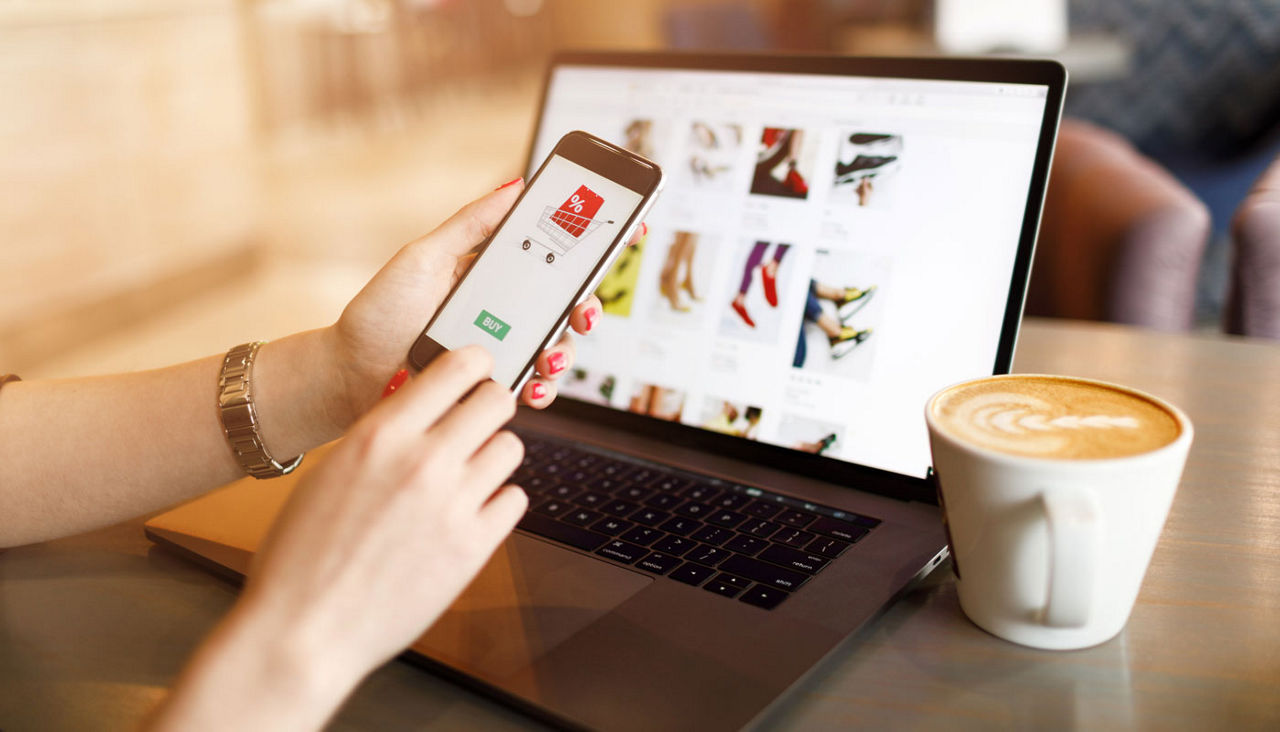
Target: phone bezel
{"points": [[614, 163]]}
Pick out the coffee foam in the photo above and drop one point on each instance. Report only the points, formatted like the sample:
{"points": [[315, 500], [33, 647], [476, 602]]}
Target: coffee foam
{"points": [[1038, 416]]}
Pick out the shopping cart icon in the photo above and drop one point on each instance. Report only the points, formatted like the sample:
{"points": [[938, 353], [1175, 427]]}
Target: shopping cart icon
{"points": [[567, 225]]}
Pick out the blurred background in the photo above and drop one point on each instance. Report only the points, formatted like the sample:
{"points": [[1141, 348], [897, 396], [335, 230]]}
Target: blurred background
{"points": [[183, 175]]}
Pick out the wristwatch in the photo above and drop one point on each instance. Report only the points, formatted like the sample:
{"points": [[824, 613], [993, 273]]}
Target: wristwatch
{"points": [[240, 418]]}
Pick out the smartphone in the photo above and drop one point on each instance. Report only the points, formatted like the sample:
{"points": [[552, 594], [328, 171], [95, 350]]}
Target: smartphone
{"points": [[549, 253]]}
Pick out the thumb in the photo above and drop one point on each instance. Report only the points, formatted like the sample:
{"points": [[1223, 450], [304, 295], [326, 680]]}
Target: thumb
{"points": [[474, 222]]}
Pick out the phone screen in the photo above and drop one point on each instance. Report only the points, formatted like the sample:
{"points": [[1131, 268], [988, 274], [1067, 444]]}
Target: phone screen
{"points": [[534, 265]]}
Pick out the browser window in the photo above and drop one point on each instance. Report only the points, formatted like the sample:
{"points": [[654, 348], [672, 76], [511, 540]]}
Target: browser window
{"points": [[828, 251]]}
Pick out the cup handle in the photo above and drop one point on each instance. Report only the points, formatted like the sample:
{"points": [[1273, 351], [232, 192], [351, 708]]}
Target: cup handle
{"points": [[1074, 556]]}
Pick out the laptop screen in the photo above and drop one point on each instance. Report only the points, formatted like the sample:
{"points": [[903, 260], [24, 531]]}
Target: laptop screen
{"points": [[829, 249]]}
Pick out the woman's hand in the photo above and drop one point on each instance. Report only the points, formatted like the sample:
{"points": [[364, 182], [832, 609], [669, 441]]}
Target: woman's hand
{"points": [[373, 336], [370, 549]]}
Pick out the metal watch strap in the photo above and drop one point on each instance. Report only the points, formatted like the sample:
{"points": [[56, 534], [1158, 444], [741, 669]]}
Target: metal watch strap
{"points": [[239, 416]]}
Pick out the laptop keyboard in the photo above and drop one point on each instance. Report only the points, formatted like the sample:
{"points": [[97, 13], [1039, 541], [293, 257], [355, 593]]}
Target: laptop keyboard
{"points": [[734, 540]]}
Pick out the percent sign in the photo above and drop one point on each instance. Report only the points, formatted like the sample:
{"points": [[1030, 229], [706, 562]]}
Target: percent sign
{"points": [[576, 202]]}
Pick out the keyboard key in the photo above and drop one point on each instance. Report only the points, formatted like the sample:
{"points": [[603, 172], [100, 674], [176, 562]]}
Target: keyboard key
{"points": [[611, 526], [666, 501], [694, 510], [759, 528], [564, 492], [744, 544], [619, 508], [535, 483], [764, 596], [559, 531], [838, 529], [793, 537], [827, 547], [701, 492], [732, 581], [552, 469], [553, 507], [644, 476], [642, 535], [721, 588], [676, 545], [622, 551], [861, 520], [586, 460], [650, 516], [692, 574], [792, 558], [670, 483], [632, 492], [713, 535], [708, 555], [616, 470], [763, 572], [727, 519], [796, 519], [576, 477], [591, 499], [658, 563], [580, 517], [606, 485], [732, 501], [681, 525], [763, 509]]}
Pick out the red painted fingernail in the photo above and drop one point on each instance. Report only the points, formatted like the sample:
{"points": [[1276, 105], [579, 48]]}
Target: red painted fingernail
{"points": [[509, 183], [590, 317], [396, 382], [644, 229], [537, 391], [555, 363]]}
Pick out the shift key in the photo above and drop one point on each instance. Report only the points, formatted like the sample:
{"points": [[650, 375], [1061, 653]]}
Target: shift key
{"points": [[537, 523], [762, 572]]}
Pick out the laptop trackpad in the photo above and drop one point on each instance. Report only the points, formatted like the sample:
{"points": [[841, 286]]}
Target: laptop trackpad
{"points": [[528, 599]]}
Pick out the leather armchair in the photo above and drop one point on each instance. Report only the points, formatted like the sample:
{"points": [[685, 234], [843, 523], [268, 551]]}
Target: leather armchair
{"points": [[1121, 239], [1253, 295]]}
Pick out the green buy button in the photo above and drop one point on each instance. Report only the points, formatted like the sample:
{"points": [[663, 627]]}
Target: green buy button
{"points": [[489, 323]]}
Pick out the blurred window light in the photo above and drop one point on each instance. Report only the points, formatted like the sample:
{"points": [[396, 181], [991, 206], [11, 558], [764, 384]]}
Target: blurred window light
{"points": [[522, 8], [982, 26]]}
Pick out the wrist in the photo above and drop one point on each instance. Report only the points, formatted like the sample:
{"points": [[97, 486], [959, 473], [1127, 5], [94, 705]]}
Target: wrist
{"points": [[281, 675], [311, 663], [300, 393], [362, 380]]}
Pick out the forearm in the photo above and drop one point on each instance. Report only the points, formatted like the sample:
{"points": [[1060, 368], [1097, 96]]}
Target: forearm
{"points": [[84, 453], [259, 669]]}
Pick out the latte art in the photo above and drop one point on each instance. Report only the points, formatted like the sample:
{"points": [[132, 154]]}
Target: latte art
{"points": [[1054, 417]]}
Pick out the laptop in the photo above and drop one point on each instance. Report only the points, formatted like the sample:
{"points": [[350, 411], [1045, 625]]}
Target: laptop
{"points": [[736, 476]]}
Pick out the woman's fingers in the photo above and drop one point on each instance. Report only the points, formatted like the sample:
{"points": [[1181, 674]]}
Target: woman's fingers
{"points": [[419, 404], [538, 393], [642, 231], [499, 515], [493, 464], [586, 315], [558, 359], [471, 423], [474, 222], [461, 266]]}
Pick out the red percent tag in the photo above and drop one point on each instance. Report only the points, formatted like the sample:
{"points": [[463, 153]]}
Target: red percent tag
{"points": [[577, 211]]}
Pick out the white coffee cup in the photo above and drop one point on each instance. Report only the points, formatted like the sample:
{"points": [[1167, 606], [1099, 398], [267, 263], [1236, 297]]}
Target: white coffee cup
{"points": [[1049, 551]]}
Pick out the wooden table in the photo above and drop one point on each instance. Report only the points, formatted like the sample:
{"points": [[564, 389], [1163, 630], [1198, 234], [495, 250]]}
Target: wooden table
{"points": [[93, 628]]}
